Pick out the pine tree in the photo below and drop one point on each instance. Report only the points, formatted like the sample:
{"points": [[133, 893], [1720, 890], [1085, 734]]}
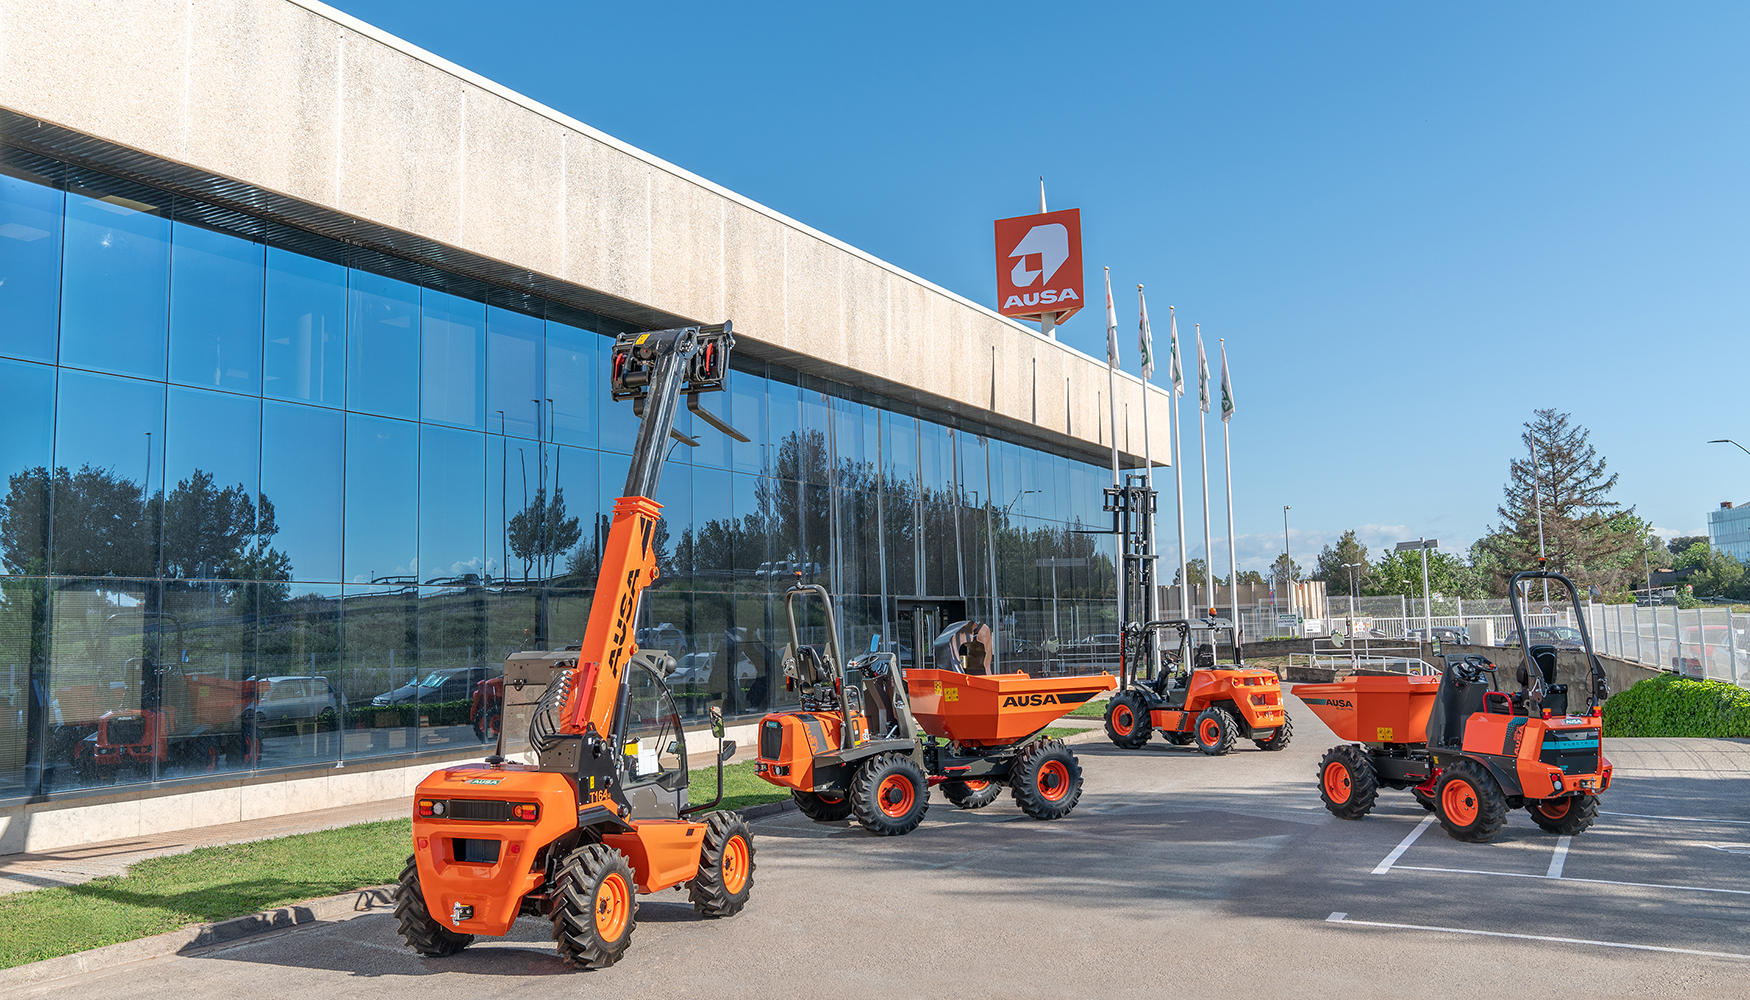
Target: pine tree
{"points": [[1331, 566], [1587, 535]]}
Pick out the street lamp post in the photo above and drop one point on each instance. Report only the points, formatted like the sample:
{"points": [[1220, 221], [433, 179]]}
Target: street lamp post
{"points": [[1288, 559], [1424, 543], [1354, 595]]}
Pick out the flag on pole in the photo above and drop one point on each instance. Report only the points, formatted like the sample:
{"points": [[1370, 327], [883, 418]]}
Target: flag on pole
{"points": [[1202, 373], [1111, 324], [1145, 340], [1175, 369], [1227, 388]]}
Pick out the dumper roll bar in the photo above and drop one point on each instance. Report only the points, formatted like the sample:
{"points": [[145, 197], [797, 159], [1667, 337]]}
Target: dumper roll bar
{"points": [[1599, 685]]}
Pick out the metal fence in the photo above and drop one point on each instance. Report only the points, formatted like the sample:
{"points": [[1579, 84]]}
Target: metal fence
{"points": [[1703, 643]]}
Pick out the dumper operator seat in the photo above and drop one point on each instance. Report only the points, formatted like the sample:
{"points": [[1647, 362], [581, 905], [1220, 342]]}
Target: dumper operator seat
{"points": [[809, 669], [1556, 695], [878, 693], [1463, 692], [1205, 657]]}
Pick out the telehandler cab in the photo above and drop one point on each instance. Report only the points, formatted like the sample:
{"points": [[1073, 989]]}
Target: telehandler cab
{"points": [[1194, 699], [602, 814], [1467, 750], [853, 747]]}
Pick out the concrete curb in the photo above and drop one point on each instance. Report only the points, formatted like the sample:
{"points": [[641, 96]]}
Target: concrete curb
{"points": [[376, 899]]}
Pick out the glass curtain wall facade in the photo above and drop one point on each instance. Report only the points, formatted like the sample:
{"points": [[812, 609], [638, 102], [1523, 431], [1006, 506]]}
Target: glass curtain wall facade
{"points": [[273, 501]]}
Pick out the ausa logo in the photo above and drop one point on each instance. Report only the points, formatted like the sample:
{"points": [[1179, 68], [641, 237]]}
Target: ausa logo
{"points": [[1332, 702], [1039, 264], [1030, 700]]}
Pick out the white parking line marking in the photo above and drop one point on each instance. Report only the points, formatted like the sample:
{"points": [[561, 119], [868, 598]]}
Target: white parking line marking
{"points": [[1680, 819], [1560, 859], [1403, 845], [1592, 881], [1341, 918]]}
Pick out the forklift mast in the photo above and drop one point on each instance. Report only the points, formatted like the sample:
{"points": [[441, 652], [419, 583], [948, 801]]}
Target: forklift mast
{"points": [[653, 370]]}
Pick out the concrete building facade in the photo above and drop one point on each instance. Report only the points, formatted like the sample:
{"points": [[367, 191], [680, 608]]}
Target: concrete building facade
{"points": [[304, 329]]}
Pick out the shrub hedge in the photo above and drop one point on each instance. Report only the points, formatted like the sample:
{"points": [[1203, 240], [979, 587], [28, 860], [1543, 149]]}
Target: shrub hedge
{"points": [[1670, 705], [437, 713]]}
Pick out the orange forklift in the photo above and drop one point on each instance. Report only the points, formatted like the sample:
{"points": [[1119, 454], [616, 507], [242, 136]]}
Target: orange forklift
{"points": [[1467, 750], [870, 739], [601, 812], [1193, 699]]}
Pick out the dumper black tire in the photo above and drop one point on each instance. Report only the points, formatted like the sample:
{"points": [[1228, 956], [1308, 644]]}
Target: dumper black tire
{"points": [[1347, 782], [971, 794], [1127, 721], [821, 808], [1566, 816], [725, 877], [889, 795], [1046, 780], [1469, 802], [422, 932], [595, 907], [1424, 799], [1279, 737], [1179, 739], [1216, 731]]}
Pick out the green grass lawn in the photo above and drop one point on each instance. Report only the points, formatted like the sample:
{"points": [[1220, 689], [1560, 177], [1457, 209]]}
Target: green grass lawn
{"points": [[1091, 709]]}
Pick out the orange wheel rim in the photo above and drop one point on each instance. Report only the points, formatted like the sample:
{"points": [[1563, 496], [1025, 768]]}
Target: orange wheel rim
{"points": [[1122, 720], [735, 866], [975, 786], [1460, 802], [832, 800], [613, 906], [1337, 782], [896, 795], [1053, 780], [1209, 731], [1554, 809]]}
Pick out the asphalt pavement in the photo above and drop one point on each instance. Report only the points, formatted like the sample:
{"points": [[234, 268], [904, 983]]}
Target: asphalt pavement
{"points": [[1177, 875]]}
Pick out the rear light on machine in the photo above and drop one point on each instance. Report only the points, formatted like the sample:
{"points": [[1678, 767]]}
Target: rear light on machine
{"points": [[426, 807], [528, 812]]}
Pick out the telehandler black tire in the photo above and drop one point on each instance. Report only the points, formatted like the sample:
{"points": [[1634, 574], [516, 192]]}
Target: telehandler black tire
{"points": [[1279, 737], [971, 794], [1046, 780], [1347, 782], [725, 877], [1469, 802], [1127, 721], [1566, 816], [889, 795], [1215, 731], [422, 932], [821, 808], [595, 907]]}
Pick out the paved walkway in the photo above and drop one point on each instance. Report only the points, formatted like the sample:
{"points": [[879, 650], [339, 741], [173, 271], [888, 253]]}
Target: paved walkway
{"points": [[74, 865]]}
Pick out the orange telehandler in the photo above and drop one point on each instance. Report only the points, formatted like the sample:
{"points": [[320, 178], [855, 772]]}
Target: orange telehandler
{"points": [[602, 813], [870, 738]]}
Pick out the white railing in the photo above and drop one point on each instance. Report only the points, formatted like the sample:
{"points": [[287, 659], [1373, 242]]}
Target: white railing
{"points": [[1710, 643]]}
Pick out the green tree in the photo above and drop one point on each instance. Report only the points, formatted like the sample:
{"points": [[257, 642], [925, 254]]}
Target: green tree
{"points": [[1401, 573], [1587, 535], [1331, 564], [1284, 570], [1682, 543], [542, 531]]}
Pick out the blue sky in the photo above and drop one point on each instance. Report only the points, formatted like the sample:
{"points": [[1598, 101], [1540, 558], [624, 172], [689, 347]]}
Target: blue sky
{"points": [[1413, 223]]}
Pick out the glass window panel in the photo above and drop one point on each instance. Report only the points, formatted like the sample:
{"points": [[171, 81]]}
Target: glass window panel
{"points": [[304, 344], [514, 344], [747, 413], [26, 450], [675, 493], [115, 285], [711, 538], [572, 540], [382, 346], [618, 425], [30, 267], [783, 424], [382, 500], [211, 472], [749, 535], [109, 442], [215, 309], [452, 506], [572, 382], [452, 360], [303, 451], [381, 666]]}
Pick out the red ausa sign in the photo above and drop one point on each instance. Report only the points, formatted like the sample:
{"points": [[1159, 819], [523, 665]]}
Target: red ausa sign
{"points": [[1039, 264]]}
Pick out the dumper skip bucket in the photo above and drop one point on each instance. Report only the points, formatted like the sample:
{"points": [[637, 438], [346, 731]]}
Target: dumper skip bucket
{"points": [[1372, 709], [987, 710]]}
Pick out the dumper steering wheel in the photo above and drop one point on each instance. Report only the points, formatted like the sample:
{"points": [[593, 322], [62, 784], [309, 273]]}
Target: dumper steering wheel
{"points": [[1472, 668]]}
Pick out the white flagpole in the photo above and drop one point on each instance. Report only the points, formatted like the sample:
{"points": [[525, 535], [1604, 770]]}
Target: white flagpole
{"points": [[1112, 398], [1177, 421], [1227, 457], [1203, 448]]}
